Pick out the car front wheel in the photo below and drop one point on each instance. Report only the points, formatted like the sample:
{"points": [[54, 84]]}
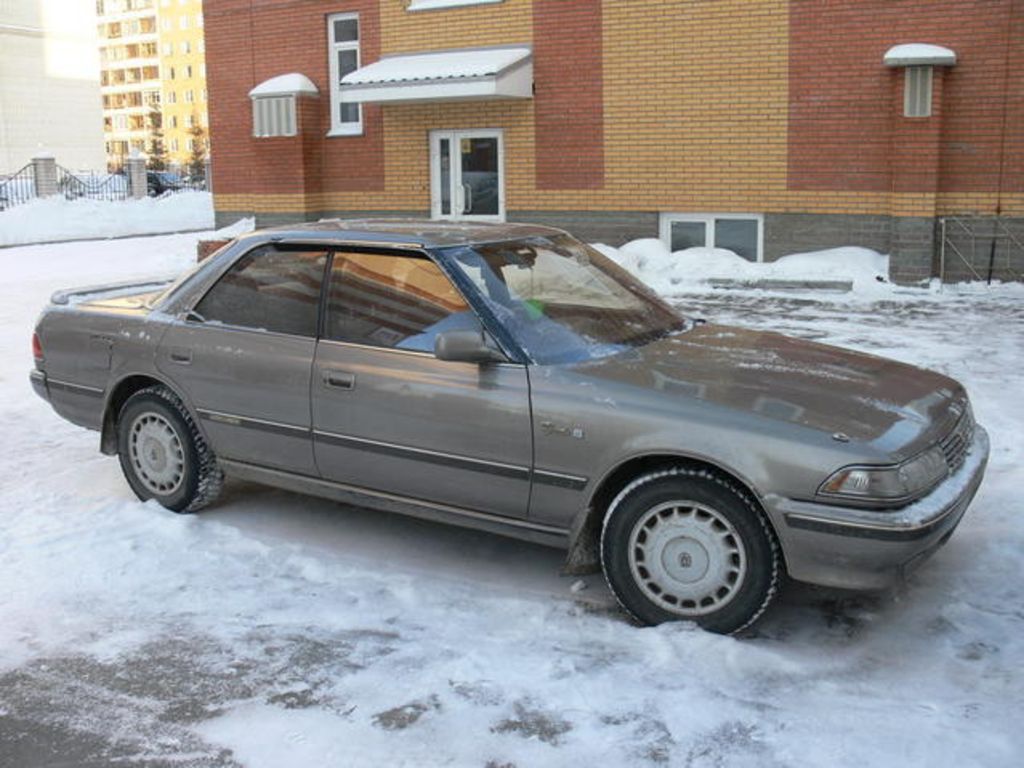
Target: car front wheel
{"points": [[687, 544], [163, 455]]}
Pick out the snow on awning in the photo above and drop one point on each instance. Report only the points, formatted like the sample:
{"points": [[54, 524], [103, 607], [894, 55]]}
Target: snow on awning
{"points": [[919, 55], [471, 73], [292, 84]]}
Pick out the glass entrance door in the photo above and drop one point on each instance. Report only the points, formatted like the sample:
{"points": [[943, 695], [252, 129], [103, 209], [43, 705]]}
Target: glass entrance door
{"points": [[467, 179]]}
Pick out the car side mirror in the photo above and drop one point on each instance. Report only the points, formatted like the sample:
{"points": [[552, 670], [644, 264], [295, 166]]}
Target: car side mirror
{"points": [[467, 347]]}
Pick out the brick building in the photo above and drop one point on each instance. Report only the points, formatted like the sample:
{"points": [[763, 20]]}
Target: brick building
{"points": [[764, 126]]}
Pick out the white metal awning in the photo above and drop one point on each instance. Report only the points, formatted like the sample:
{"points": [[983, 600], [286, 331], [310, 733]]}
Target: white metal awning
{"points": [[919, 55], [292, 84], [470, 73]]}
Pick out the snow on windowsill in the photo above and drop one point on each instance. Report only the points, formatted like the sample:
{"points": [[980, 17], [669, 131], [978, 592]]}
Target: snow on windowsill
{"points": [[434, 5]]}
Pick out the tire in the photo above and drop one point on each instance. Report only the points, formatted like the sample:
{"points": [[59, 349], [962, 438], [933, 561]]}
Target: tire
{"points": [[687, 544], [162, 453]]}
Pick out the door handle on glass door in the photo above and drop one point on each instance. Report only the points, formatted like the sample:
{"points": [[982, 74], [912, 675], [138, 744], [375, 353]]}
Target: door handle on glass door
{"points": [[467, 198], [339, 379]]}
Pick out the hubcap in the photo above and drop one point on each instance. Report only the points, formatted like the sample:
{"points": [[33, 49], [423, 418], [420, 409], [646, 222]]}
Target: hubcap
{"points": [[687, 558], [156, 453]]}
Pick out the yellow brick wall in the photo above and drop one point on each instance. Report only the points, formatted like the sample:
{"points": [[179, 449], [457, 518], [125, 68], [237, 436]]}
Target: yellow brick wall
{"points": [[402, 31]]}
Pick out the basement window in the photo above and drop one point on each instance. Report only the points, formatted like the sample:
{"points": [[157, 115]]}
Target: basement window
{"points": [[917, 92], [741, 233]]}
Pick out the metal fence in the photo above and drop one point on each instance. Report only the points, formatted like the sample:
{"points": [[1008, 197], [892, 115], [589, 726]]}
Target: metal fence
{"points": [[23, 186], [981, 248], [92, 185], [17, 188]]}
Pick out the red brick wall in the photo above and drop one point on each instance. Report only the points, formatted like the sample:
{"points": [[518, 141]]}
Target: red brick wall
{"points": [[1013, 170], [844, 119], [568, 106], [249, 41]]}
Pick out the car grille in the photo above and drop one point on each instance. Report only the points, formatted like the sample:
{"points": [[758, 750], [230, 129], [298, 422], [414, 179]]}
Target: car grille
{"points": [[956, 443]]}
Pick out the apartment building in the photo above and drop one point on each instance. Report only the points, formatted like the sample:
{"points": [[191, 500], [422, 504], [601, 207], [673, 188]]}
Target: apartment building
{"points": [[152, 64], [183, 69], [49, 84]]}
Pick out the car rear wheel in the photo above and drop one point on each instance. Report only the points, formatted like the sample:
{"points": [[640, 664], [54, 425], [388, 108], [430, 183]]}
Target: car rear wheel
{"points": [[686, 544], [163, 455]]}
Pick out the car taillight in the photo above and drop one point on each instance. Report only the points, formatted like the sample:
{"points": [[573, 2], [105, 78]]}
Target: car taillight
{"points": [[37, 347]]}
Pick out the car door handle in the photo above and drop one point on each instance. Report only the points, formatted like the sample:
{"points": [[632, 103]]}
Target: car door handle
{"points": [[340, 379], [181, 356]]}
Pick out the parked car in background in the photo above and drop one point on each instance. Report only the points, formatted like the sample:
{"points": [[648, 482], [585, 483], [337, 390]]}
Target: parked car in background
{"points": [[159, 182], [512, 379]]}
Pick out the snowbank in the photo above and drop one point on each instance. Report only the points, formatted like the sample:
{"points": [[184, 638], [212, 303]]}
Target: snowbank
{"points": [[672, 273], [55, 218]]}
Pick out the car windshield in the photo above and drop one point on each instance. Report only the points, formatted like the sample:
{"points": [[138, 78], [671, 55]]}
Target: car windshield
{"points": [[562, 300]]}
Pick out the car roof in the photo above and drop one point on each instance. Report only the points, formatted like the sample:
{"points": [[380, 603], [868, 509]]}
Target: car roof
{"points": [[413, 232]]}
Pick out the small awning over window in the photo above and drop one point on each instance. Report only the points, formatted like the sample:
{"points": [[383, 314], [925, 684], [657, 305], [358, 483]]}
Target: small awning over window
{"points": [[274, 111], [292, 84], [471, 73], [919, 55]]}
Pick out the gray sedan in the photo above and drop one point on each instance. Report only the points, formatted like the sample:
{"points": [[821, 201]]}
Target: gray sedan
{"points": [[512, 379]]}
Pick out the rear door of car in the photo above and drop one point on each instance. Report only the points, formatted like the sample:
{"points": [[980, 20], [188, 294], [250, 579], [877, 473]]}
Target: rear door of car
{"points": [[244, 355], [391, 417]]}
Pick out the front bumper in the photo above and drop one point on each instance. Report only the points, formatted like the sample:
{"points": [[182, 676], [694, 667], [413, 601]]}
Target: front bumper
{"points": [[853, 548]]}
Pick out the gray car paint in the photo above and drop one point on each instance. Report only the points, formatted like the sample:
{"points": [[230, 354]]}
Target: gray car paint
{"points": [[516, 448]]}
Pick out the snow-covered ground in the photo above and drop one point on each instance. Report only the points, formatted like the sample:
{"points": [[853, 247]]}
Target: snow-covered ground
{"points": [[52, 219], [279, 630]]}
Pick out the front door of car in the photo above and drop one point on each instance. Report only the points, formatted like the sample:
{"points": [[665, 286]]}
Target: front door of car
{"points": [[391, 417], [244, 355]]}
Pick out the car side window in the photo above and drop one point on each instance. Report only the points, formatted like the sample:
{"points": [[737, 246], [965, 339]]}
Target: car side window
{"points": [[270, 288], [392, 300]]}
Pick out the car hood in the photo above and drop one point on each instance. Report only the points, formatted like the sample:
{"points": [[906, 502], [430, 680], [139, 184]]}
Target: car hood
{"points": [[896, 407]]}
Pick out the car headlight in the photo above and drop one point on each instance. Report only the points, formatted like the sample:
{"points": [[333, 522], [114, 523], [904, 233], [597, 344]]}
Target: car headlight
{"points": [[885, 484]]}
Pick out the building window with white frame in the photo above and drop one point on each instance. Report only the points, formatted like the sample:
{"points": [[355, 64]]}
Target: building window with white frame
{"points": [[743, 234], [343, 49]]}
